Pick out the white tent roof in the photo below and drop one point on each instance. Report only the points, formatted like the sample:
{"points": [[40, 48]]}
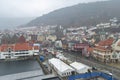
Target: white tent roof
{"points": [[60, 65], [61, 56], [79, 66]]}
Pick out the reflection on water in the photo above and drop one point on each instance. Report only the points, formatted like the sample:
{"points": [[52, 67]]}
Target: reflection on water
{"points": [[18, 66]]}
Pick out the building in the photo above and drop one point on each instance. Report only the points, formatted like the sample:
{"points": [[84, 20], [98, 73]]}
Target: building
{"points": [[103, 50], [14, 51], [71, 45], [116, 51], [51, 37], [89, 52], [79, 67], [81, 47], [64, 44], [40, 38], [58, 44], [60, 67]]}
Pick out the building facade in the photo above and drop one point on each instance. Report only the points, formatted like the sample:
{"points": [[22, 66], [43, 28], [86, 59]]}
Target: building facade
{"points": [[14, 51]]}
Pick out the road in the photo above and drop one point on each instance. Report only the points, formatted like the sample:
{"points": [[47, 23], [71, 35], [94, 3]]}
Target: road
{"points": [[91, 62]]}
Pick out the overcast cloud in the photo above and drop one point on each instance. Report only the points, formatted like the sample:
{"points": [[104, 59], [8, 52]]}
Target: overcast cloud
{"points": [[34, 8]]}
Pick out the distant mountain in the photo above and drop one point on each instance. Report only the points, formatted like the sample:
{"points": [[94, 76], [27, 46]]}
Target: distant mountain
{"points": [[11, 23], [80, 15]]}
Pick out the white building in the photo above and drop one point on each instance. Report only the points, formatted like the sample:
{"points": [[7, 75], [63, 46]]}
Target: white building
{"points": [[58, 44], [116, 51], [14, 51], [60, 67], [79, 67]]}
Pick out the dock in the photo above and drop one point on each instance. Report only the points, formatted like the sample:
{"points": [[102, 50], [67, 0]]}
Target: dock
{"points": [[30, 75]]}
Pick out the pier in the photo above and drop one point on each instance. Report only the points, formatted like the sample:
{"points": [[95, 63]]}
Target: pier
{"points": [[30, 75]]}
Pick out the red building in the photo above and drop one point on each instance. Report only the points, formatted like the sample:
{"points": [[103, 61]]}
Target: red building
{"points": [[81, 47]]}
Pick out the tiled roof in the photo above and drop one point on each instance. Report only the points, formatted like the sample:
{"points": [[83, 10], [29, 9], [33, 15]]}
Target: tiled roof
{"points": [[22, 46], [106, 42], [102, 48], [18, 47], [105, 45], [80, 45], [5, 47]]}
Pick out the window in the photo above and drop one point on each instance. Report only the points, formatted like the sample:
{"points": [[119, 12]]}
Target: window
{"points": [[9, 49], [67, 73], [114, 56], [7, 57], [20, 53]]}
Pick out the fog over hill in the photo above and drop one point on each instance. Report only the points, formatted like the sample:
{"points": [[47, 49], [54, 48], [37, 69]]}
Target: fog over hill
{"points": [[11, 23], [80, 15]]}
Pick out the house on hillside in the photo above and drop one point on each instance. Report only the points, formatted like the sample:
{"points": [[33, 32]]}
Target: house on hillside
{"points": [[71, 45], [40, 38], [64, 44], [53, 38]]}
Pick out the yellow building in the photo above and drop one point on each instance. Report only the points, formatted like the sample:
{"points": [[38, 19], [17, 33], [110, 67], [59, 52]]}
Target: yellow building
{"points": [[51, 37], [103, 50], [40, 38]]}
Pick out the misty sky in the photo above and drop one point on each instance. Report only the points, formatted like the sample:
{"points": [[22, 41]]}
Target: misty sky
{"points": [[34, 8]]}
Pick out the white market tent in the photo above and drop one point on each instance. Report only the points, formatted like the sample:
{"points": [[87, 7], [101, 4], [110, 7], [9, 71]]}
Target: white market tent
{"points": [[79, 67], [61, 56], [61, 68]]}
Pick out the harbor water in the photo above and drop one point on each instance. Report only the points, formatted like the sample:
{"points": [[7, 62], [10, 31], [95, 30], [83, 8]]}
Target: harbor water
{"points": [[13, 67]]}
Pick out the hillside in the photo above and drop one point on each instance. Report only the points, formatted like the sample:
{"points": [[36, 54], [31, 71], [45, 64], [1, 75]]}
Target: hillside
{"points": [[80, 15]]}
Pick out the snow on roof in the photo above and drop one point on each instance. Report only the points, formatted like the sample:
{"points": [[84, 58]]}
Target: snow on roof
{"points": [[79, 66], [60, 65]]}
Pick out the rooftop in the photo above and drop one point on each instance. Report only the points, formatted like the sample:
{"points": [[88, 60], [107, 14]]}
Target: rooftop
{"points": [[78, 66], [18, 47], [60, 65], [106, 42]]}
